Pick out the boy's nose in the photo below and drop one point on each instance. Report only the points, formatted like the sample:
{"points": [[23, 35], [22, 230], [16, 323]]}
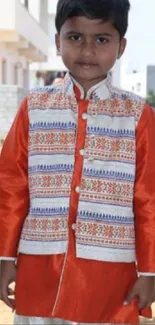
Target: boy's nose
{"points": [[88, 49]]}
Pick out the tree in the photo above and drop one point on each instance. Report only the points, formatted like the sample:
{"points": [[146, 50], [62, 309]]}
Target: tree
{"points": [[151, 98]]}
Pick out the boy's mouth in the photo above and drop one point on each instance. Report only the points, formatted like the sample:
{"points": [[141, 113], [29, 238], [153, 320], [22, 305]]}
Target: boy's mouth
{"points": [[87, 65]]}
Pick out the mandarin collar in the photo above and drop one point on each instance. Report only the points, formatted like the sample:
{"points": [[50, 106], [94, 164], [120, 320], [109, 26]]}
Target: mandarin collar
{"points": [[100, 91]]}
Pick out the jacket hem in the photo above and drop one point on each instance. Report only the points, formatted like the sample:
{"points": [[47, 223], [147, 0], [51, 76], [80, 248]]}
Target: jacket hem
{"points": [[105, 254], [42, 248]]}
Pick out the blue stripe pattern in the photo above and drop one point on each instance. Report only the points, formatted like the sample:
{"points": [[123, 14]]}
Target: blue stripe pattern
{"points": [[47, 89], [111, 132], [51, 168], [105, 217], [48, 212], [108, 174], [55, 126]]}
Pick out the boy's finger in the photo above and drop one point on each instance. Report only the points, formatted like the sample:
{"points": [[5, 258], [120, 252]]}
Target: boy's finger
{"points": [[130, 297], [9, 302], [4, 297], [143, 303], [11, 292]]}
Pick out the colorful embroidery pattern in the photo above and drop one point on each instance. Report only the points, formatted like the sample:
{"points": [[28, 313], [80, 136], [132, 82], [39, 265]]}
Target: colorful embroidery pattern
{"points": [[47, 229], [110, 148], [54, 144], [117, 108], [50, 185], [108, 235]]}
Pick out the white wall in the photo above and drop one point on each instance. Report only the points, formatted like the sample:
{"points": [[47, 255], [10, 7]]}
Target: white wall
{"points": [[7, 14], [28, 28], [34, 8]]}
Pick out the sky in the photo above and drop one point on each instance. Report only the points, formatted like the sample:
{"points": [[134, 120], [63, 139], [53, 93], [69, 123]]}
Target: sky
{"points": [[141, 33]]}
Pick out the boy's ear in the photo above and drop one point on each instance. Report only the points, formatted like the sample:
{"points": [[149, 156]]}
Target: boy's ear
{"points": [[57, 43], [122, 48]]}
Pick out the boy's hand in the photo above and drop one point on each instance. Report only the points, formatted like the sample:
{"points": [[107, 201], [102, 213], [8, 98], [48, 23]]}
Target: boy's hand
{"points": [[144, 290], [7, 276]]}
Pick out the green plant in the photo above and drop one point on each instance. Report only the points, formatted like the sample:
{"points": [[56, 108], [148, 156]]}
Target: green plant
{"points": [[151, 98]]}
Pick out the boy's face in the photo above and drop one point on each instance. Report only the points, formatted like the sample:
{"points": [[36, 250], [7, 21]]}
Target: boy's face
{"points": [[89, 49]]}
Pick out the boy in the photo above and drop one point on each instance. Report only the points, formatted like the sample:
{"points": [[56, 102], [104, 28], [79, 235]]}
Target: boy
{"points": [[77, 185]]}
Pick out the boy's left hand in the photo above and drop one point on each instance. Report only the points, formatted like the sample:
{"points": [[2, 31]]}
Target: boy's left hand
{"points": [[144, 290]]}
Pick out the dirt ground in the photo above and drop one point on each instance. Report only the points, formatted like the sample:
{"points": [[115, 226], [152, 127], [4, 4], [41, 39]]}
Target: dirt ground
{"points": [[6, 316]]}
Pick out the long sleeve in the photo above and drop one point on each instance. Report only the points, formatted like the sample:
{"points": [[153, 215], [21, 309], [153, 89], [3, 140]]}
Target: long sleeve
{"points": [[144, 193], [14, 193]]}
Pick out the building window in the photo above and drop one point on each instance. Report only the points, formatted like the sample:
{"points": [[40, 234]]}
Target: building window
{"points": [[25, 78], [4, 72], [138, 87], [16, 74]]}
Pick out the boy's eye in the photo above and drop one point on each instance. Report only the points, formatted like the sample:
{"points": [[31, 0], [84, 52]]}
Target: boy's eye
{"points": [[75, 38], [101, 40]]}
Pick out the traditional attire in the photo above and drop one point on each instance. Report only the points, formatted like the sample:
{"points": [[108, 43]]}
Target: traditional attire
{"points": [[77, 203]]}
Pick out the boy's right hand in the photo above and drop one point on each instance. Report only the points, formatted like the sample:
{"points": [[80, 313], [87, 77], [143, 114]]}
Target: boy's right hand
{"points": [[7, 276]]}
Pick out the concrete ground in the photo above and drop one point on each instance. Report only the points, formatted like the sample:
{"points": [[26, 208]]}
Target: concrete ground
{"points": [[6, 316]]}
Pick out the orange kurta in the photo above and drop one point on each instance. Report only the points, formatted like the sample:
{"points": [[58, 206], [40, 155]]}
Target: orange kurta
{"points": [[65, 286]]}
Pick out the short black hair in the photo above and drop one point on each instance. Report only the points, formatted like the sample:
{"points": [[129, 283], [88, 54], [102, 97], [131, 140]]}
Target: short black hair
{"points": [[115, 11]]}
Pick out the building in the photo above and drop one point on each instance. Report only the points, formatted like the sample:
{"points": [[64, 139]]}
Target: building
{"points": [[20, 44], [54, 63], [150, 86], [24, 39], [140, 82]]}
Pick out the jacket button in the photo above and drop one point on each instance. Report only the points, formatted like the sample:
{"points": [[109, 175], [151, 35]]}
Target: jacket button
{"points": [[74, 226], [82, 152], [91, 159], [84, 116], [77, 189]]}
